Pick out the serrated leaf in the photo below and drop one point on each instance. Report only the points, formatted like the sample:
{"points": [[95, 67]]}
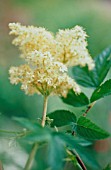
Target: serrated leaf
{"points": [[96, 76], [102, 91], [89, 130], [62, 118], [76, 100]]}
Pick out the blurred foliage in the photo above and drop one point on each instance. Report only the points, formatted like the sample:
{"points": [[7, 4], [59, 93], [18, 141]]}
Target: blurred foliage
{"points": [[94, 16]]}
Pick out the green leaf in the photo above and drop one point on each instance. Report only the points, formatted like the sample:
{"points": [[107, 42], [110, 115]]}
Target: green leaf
{"points": [[56, 152], [56, 142], [89, 130], [41, 161], [37, 133], [84, 77], [42, 135], [84, 142], [62, 118], [102, 91], [76, 100], [27, 123], [96, 76], [108, 167], [103, 64]]}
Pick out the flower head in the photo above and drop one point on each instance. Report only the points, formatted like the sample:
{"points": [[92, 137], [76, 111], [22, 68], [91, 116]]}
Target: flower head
{"points": [[47, 58], [69, 46], [32, 38], [49, 77]]}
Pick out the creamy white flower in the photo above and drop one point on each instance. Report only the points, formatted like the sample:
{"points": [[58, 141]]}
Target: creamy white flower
{"points": [[49, 77], [32, 38], [47, 59], [69, 46]]}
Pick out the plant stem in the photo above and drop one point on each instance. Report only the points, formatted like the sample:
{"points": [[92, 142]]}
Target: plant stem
{"points": [[85, 114], [1, 166], [35, 145], [87, 110], [44, 111], [79, 159], [80, 162], [73, 133], [31, 157]]}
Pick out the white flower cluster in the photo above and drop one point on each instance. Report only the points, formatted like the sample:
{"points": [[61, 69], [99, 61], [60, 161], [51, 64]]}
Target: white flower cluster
{"points": [[47, 59], [49, 77], [71, 47], [32, 38]]}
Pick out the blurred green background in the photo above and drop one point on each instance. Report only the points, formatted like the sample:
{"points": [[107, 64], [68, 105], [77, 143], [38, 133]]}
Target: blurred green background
{"points": [[94, 16]]}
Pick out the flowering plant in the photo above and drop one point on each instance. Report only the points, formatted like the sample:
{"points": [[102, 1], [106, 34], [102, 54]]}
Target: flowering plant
{"points": [[48, 59]]}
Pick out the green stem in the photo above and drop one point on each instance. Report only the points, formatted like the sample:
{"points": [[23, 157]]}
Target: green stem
{"points": [[35, 145], [44, 111], [31, 157]]}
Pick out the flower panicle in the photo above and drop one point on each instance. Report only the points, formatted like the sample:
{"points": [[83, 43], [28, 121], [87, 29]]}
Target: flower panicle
{"points": [[49, 77], [72, 47], [48, 58], [32, 38], [69, 46]]}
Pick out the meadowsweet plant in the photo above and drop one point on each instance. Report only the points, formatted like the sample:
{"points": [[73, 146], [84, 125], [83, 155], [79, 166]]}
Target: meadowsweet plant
{"points": [[48, 58]]}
